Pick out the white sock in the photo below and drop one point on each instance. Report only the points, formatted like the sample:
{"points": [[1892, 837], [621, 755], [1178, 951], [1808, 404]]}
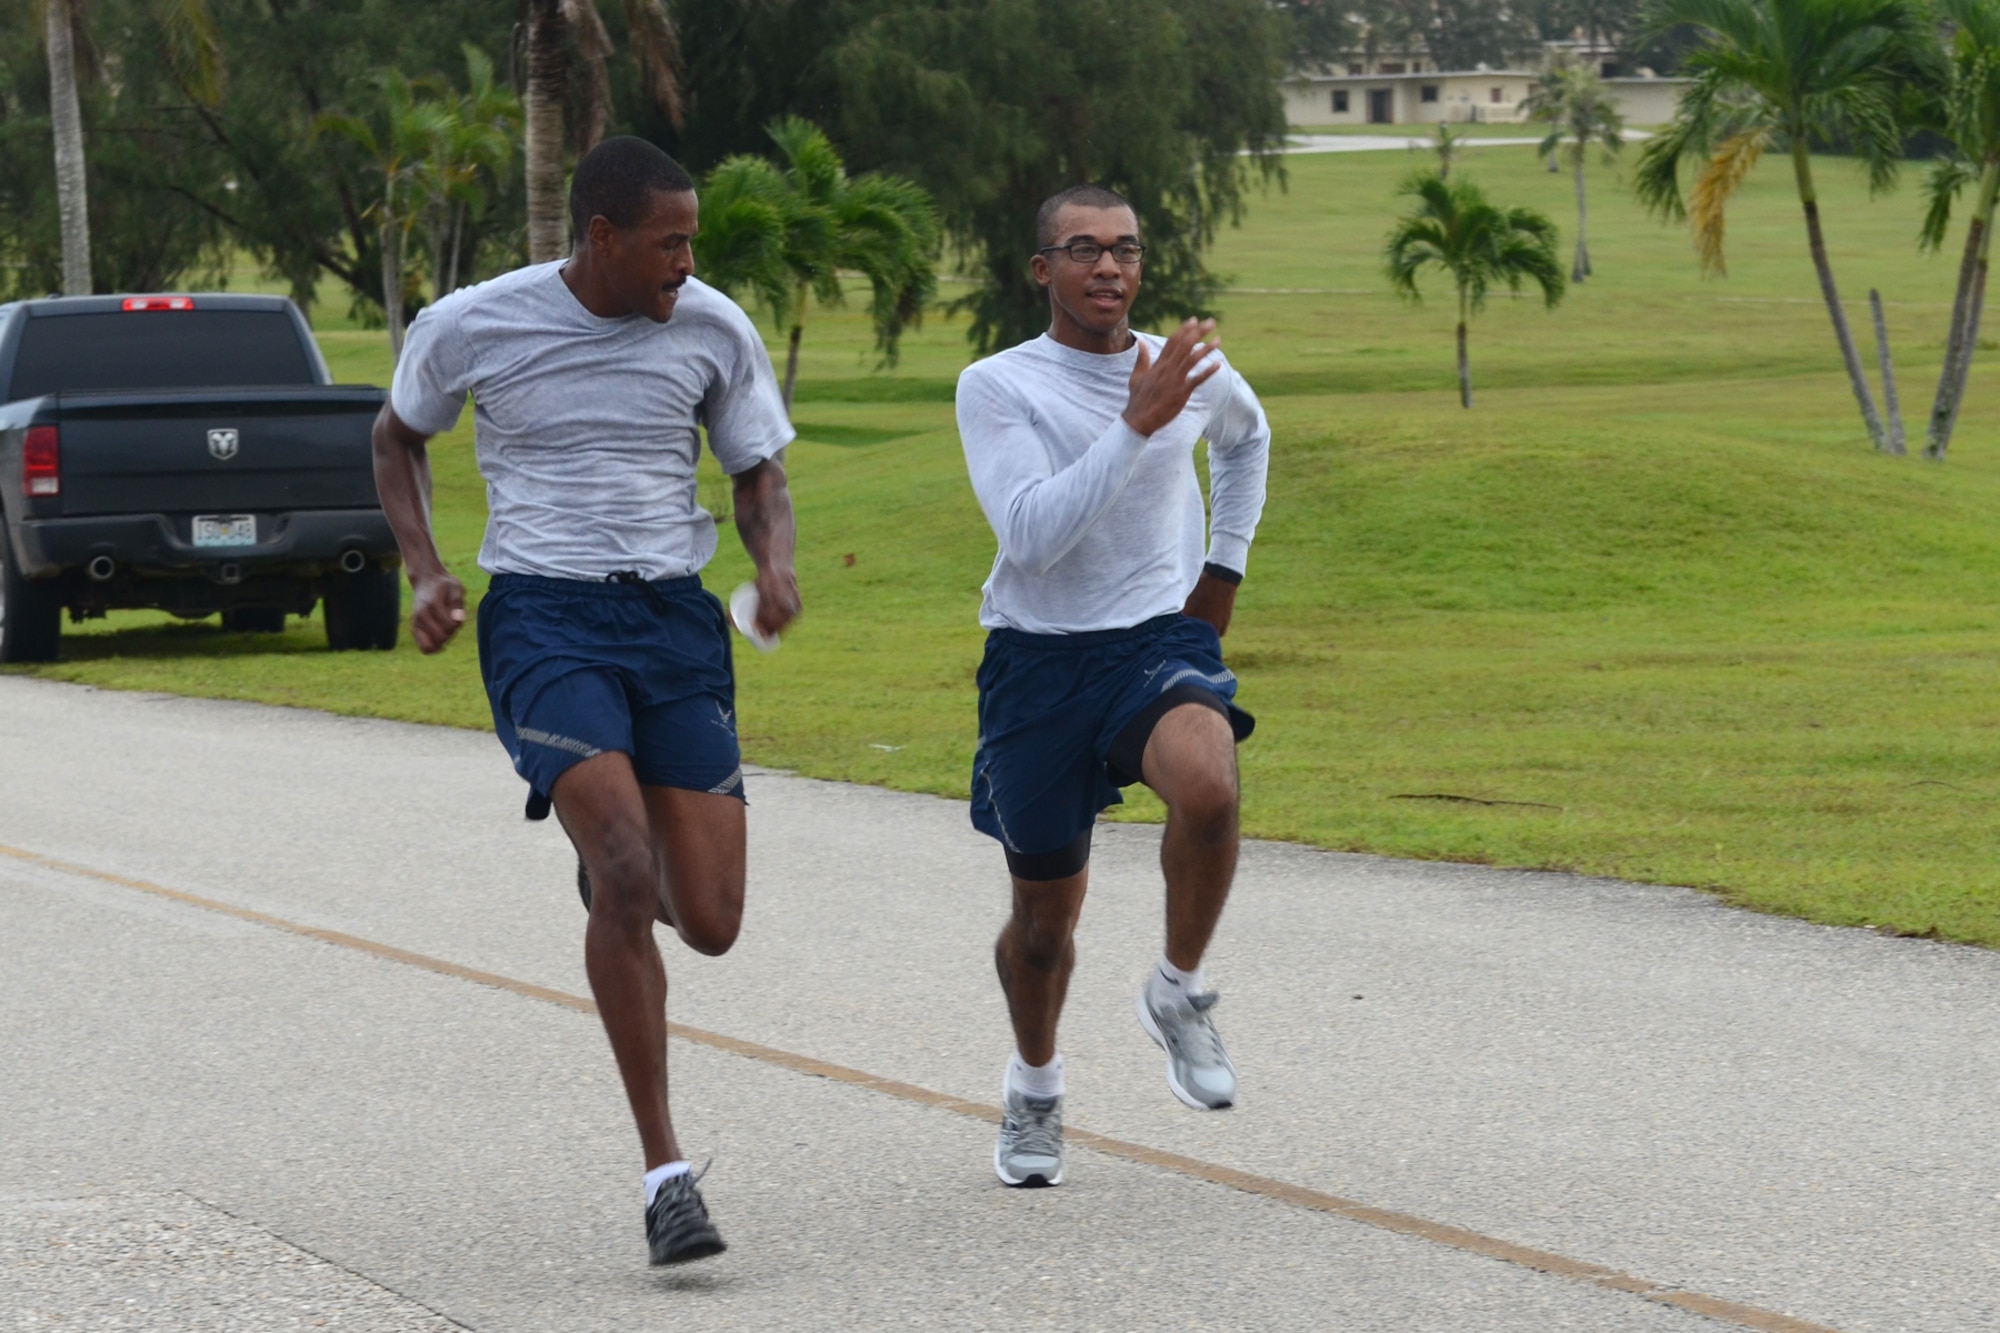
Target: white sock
{"points": [[1036, 1080], [660, 1175], [1169, 980]]}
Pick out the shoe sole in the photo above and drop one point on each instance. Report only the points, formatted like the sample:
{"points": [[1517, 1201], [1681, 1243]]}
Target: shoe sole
{"points": [[1187, 1098], [688, 1254], [1033, 1180]]}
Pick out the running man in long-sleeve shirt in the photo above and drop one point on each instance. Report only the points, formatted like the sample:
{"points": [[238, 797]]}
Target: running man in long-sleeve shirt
{"points": [[1103, 662]]}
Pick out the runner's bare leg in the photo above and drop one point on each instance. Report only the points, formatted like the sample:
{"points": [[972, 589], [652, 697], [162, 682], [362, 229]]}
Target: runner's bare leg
{"points": [[1190, 761], [613, 822], [1035, 954]]}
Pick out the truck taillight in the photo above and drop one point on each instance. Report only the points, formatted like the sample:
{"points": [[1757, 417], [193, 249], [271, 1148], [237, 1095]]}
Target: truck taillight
{"points": [[41, 461], [159, 303]]}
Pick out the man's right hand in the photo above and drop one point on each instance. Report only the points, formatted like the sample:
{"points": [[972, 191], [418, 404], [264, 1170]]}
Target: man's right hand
{"points": [[437, 612], [1160, 389]]}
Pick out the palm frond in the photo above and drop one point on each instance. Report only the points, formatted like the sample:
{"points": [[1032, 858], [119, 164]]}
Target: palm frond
{"points": [[1943, 183], [194, 43], [658, 47], [1715, 186], [1452, 226], [593, 43]]}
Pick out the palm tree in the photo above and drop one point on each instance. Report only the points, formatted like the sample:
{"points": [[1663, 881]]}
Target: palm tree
{"points": [[1972, 120], [470, 151], [551, 25], [785, 234], [1582, 111], [196, 52], [398, 144], [72, 197], [1789, 74], [1454, 228], [1447, 146]]}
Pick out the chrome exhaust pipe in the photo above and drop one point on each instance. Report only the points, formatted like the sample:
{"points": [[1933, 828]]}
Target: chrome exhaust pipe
{"points": [[102, 568], [352, 561]]}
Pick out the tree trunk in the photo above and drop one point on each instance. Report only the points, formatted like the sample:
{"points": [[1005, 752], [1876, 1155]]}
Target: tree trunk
{"points": [[392, 282], [1464, 366], [457, 237], [548, 228], [792, 365], [1976, 308], [1816, 240], [72, 193], [792, 355], [1580, 268], [435, 228], [1963, 338], [1895, 444]]}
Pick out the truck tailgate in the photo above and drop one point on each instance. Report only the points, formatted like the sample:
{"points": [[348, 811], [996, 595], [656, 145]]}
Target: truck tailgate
{"points": [[217, 451]]}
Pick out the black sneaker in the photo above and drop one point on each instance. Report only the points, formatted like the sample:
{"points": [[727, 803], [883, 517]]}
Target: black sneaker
{"points": [[677, 1226]]}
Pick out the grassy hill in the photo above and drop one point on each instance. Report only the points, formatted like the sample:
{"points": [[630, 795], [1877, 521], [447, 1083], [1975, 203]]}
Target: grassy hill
{"points": [[1651, 609]]}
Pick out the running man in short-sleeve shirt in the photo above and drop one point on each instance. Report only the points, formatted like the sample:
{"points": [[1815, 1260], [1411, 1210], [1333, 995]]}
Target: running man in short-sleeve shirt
{"points": [[588, 429], [607, 664]]}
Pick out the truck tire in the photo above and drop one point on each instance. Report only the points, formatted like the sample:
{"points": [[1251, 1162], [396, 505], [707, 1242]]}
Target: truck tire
{"points": [[364, 610], [30, 613], [254, 620]]}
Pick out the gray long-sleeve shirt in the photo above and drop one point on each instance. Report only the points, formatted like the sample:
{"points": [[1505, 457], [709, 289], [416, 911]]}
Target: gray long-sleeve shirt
{"points": [[1101, 527]]}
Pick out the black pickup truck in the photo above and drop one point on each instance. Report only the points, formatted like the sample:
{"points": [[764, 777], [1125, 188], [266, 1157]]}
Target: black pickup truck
{"points": [[190, 454]]}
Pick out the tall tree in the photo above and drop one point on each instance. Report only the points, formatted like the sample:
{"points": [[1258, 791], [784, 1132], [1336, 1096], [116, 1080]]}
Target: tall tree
{"points": [[786, 233], [1789, 74], [466, 163], [398, 138], [66, 118], [1582, 111], [194, 49], [182, 176], [1452, 226], [1971, 117], [1470, 34], [1317, 31], [567, 41], [993, 105]]}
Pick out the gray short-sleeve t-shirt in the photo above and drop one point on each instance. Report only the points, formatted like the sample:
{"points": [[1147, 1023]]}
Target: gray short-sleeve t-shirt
{"points": [[587, 429]]}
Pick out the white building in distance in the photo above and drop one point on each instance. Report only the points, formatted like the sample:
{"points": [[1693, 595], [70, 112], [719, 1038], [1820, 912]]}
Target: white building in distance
{"points": [[1407, 88]]}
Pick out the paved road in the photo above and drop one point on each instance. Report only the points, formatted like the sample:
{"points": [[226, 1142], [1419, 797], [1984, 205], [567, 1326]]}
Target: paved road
{"points": [[209, 1120]]}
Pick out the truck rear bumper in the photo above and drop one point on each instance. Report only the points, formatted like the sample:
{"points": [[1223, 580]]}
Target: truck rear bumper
{"points": [[306, 542]]}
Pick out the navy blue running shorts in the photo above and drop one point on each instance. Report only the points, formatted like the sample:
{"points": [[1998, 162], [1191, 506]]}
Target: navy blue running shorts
{"points": [[1054, 709], [576, 668]]}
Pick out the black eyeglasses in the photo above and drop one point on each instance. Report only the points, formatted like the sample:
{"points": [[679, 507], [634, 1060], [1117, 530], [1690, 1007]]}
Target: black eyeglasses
{"points": [[1088, 252]]}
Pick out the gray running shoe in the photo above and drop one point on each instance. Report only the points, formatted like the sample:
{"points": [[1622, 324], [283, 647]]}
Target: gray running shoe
{"points": [[1030, 1148], [677, 1227], [1198, 1069]]}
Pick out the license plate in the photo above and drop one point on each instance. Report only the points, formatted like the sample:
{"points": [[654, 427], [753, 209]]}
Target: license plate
{"points": [[225, 530]]}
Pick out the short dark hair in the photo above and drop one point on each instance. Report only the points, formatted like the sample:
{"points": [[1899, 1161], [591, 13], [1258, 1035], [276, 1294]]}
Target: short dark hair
{"points": [[617, 179], [1086, 196]]}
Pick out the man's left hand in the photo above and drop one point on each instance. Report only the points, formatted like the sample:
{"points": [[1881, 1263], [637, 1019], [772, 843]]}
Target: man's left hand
{"points": [[1213, 600], [777, 599]]}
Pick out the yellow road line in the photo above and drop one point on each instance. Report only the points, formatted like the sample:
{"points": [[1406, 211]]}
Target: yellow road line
{"points": [[1385, 1219]]}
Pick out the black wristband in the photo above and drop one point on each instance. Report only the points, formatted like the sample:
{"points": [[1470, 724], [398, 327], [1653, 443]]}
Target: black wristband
{"points": [[1215, 571]]}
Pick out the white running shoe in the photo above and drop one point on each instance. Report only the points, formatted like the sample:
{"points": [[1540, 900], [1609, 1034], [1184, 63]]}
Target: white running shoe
{"points": [[1030, 1150], [1198, 1069]]}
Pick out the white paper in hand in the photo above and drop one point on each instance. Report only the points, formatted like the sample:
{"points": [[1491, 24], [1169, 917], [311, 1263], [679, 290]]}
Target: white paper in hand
{"points": [[743, 610]]}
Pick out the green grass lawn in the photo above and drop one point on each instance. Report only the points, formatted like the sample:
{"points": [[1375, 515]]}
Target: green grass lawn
{"points": [[1651, 609]]}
